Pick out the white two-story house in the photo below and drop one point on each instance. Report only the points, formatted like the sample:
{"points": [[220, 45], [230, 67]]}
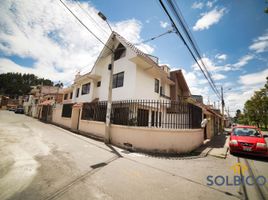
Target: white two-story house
{"points": [[136, 76]]}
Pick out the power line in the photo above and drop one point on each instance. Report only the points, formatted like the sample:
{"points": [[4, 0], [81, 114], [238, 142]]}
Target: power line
{"points": [[179, 16], [85, 25], [182, 38], [88, 14], [158, 36]]}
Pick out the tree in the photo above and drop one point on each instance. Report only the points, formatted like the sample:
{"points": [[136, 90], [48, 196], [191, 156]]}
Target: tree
{"points": [[237, 115], [256, 108], [16, 84], [59, 84]]}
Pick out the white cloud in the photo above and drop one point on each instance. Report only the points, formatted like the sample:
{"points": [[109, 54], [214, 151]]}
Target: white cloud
{"points": [[243, 61], [221, 56], [211, 66], [260, 44], [237, 96], [258, 78], [209, 4], [208, 19], [164, 24], [48, 33], [197, 5], [218, 76]]}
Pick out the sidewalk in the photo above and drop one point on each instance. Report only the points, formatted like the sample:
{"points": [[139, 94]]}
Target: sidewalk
{"points": [[217, 146]]}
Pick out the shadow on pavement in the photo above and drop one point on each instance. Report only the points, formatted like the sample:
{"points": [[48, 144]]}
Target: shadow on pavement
{"points": [[251, 157], [217, 145]]}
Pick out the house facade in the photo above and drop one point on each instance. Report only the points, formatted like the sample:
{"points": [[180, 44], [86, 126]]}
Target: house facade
{"points": [[144, 94], [40, 97]]}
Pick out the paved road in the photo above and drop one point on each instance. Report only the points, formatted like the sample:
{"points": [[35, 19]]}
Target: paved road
{"points": [[42, 161]]}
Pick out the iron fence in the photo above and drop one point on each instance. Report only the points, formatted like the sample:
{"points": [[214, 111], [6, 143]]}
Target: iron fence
{"points": [[67, 110], [147, 113]]}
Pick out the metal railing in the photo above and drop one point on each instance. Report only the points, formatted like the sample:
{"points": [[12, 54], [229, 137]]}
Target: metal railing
{"points": [[147, 113]]}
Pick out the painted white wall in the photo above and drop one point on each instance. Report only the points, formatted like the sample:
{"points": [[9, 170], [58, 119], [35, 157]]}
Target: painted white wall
{"points": [[148, 139], [138, 84], [121, 65]]}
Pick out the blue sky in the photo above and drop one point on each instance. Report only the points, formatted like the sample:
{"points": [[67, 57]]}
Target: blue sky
{"points": [[43, 38]]}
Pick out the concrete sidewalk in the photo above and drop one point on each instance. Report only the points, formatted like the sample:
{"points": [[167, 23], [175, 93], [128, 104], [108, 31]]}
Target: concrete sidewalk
{"points": [[217, 146]]}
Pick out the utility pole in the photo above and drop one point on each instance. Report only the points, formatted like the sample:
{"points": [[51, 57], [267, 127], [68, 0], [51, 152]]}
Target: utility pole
{"points": [[222, 108], [109, 101], [107, 137]]}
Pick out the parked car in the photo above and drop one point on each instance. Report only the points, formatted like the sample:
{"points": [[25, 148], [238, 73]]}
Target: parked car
{"points": [[19, 111], [247, 140]]}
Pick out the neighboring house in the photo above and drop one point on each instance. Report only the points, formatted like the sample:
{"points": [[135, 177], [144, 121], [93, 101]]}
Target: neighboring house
{"points": [[180, 89], [42, 96], [3, 101], [144, 94], [213, 126]]}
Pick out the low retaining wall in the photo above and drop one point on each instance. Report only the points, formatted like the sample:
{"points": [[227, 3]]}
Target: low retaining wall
{"points": [[92, 127], [147, 139], [59, 120], [157, 140]]}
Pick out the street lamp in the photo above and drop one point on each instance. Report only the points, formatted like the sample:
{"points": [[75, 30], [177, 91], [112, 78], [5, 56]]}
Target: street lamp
{"points": [[102, 16], [109, 100]]}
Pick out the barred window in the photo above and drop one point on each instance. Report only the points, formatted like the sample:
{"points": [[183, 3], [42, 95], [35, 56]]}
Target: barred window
{"points": [[67, 110], [85, 88]]}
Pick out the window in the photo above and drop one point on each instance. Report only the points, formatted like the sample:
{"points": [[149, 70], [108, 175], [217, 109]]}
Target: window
{"points": [[162, 90], [71, 95], [65, 96], [156, 85], [118, 80], [119, 52], [77, 92], [85, 88], [98, 83], [67, 110]]}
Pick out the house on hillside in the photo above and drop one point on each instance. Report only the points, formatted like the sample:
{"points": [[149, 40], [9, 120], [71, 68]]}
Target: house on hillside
{"points": [[145, 94]]}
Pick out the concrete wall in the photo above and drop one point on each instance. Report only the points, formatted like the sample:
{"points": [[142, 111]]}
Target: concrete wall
{"points": [[157, 140], [92, 127], [148, 139], [58, 119]]}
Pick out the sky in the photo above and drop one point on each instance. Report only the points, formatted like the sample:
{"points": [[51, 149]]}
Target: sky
{"points": [[43, 38]]}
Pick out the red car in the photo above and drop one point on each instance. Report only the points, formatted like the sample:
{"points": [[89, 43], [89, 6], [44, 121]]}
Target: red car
{"points": [[247, 140]]}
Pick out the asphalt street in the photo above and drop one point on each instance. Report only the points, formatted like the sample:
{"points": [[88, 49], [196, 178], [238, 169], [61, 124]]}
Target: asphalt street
{"points": [[43, 161]]}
